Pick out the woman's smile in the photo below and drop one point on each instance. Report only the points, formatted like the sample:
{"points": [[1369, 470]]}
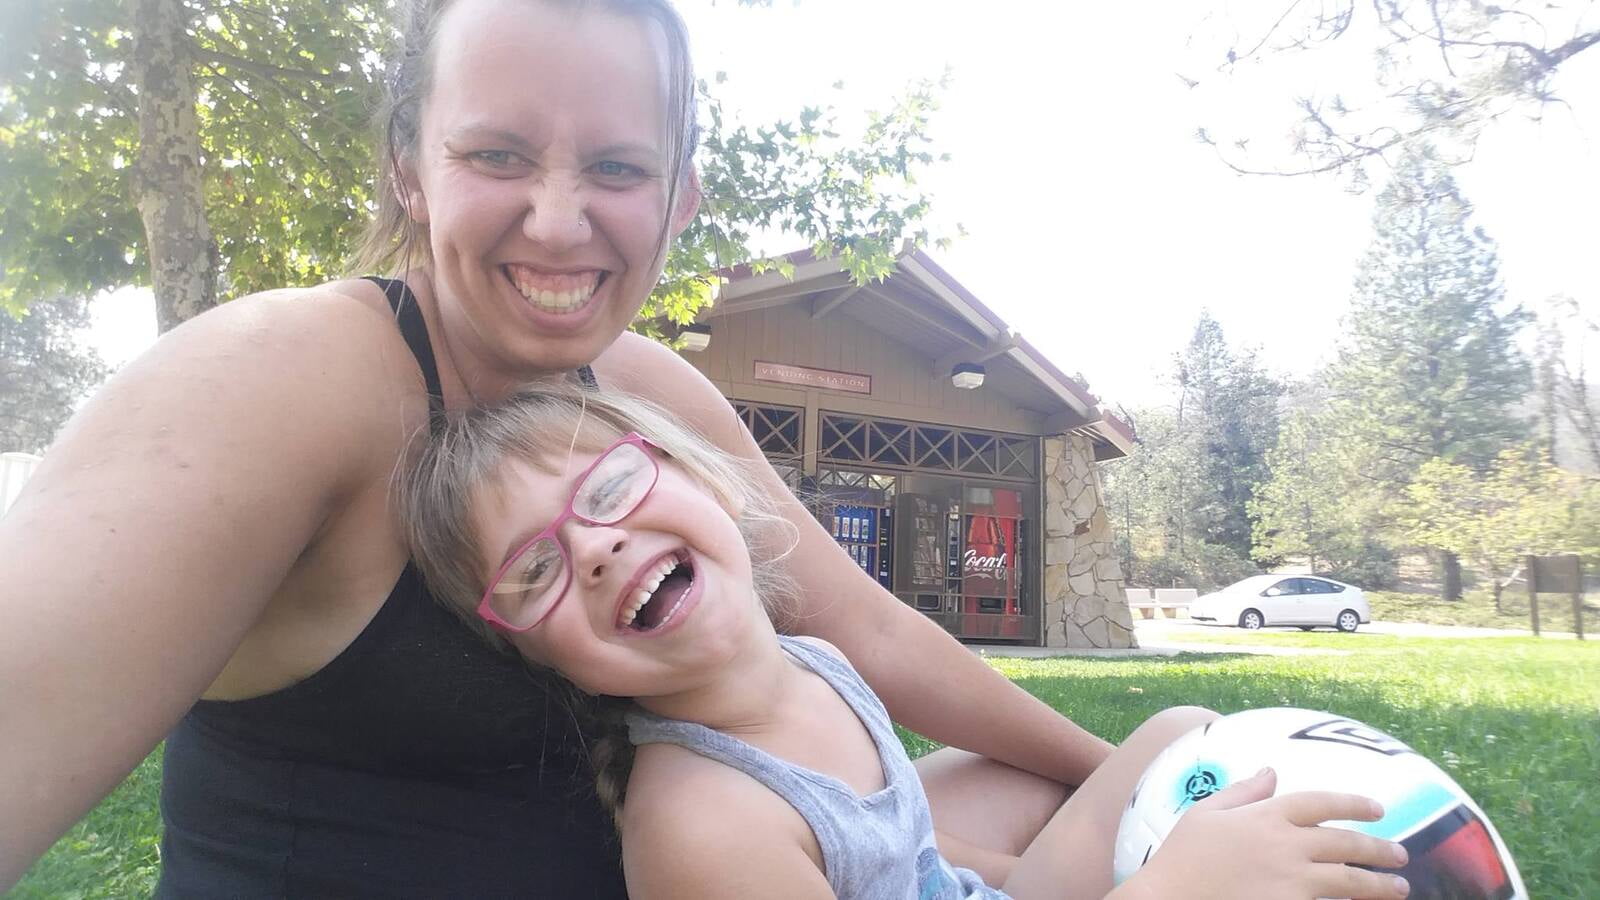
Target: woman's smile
{"points": [[561, 293]]}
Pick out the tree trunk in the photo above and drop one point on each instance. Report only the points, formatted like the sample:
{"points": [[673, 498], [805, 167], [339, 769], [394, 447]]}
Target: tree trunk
{"points": [[183, 256], [1450, 564]]}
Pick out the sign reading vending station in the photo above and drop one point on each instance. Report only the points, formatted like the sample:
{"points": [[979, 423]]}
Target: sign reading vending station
{"points": [[817, 378]]}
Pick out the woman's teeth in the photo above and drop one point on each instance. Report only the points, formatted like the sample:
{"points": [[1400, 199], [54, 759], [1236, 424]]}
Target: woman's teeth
{"points": [[647, 587], [554, 293]]}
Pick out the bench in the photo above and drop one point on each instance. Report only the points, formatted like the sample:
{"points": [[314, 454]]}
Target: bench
{"points": [[1168, 601]]}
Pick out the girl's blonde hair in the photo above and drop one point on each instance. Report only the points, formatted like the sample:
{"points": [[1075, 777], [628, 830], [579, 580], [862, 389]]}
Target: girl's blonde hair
{"points": [[461, 458]]}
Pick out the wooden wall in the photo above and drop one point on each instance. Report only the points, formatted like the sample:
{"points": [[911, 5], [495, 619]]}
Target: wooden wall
{"points": [[903, 382]]}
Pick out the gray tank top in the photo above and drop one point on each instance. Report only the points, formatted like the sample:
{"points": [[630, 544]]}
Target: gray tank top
{"points": [[877, 847]]}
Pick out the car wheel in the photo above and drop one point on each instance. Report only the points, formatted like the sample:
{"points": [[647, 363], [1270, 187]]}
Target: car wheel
{"points": [[1251, 619], [1347, 621], [1307, 627]]}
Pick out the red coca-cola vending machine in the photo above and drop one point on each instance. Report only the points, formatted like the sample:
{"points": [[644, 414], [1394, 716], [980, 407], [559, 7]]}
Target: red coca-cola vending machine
{"points": [[991, 564]]}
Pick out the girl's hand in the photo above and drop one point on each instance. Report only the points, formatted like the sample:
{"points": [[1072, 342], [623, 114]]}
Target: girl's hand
{"points": [[1243, 842]]}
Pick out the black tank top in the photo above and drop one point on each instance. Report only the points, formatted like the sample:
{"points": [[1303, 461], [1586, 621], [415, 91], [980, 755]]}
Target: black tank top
{"points": [[419, 762]]}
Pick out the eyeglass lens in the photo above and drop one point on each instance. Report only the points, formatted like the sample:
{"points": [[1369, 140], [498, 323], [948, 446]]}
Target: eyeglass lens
{"points": [[538, 577]]}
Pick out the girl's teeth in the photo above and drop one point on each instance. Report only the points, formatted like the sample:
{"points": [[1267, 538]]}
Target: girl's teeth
{"points": [[647, 587]]}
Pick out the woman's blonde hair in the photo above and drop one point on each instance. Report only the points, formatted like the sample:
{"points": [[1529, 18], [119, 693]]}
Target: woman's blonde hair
{"points": [[462, 458]]}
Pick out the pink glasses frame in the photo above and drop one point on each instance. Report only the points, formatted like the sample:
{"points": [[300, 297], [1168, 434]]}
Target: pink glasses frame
{"points": [[487, 613]]}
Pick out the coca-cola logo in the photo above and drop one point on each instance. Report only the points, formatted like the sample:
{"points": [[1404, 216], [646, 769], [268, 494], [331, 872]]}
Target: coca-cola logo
{"points": [[988, 565]]}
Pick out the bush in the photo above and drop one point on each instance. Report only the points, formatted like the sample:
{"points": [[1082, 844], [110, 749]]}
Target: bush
{"points": [[1203, 566], [1372, 567]]}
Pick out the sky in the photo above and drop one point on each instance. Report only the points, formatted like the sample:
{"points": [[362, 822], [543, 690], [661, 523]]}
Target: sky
{"points": [[1096, 224]]}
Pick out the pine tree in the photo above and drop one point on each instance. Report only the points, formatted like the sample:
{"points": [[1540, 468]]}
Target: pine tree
{"points": [[1430, 369], [1181, 501], [1231, 410]]}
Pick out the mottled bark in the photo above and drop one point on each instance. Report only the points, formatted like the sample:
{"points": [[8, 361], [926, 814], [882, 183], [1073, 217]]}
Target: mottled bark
{"points": [[183, 255]]}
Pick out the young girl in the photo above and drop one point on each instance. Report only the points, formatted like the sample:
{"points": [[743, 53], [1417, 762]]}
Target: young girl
{"points": [[603, 539]]}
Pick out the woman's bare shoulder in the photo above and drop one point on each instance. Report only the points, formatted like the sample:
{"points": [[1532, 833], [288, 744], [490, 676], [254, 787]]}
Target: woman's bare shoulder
{"points": [[332, 347]]}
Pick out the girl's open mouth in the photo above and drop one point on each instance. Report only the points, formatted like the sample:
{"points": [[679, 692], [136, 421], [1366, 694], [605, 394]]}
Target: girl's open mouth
{"points": [[659, 594]]}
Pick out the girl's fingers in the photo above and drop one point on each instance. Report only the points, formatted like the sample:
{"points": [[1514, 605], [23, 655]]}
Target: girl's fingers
{"points": [[1316, 807], [1338, 845], [1359, 884], [1257, 787]]}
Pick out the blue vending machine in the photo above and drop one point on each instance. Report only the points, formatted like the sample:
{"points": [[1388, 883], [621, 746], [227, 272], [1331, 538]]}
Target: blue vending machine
{"points": [[864, 532]]}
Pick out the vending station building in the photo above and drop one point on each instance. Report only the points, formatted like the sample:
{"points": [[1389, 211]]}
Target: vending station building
{"points": [[953, 461]]}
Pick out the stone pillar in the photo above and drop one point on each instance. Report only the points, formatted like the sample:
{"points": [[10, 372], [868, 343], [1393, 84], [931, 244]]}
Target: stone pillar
{"points": [[1084, 603]]}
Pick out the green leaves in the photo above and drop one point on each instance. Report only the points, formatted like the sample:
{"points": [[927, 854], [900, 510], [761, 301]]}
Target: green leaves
{"points": [[284, 91], [43, 371], [1523, 504], [1182, 501], [851, 197]]}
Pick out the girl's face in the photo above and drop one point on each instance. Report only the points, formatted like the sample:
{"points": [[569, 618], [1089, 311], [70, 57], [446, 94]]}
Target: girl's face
{"points": [[542, 173], [679, 550]]}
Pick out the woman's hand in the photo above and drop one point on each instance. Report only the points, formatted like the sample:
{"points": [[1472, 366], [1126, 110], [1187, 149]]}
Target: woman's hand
{"points": [[1242, 842]]}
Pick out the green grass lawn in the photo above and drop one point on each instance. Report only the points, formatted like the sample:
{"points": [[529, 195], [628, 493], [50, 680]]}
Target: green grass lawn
{"points": [[114, 853], [1515, 720]]}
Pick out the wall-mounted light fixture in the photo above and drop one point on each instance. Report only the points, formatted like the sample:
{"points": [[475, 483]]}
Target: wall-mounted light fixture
{"points": [[967, 376], [695, 336]]}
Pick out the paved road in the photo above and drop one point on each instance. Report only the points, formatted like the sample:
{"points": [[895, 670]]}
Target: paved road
{"points": [[1166, 637], [1174, 629]]}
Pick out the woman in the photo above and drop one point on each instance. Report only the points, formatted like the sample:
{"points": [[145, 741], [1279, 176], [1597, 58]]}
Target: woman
{"points": [[215, 526]]}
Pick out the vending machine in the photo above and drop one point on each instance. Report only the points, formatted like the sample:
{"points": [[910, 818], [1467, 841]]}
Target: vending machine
{"points": [[991, 562], [866, 533]]}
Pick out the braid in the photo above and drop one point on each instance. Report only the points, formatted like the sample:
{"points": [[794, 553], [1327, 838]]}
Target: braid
{"points": [[610, 751]]}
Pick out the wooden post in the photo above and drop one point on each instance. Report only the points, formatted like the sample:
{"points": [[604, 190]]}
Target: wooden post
{"points": [[1577, 596], [1533, 592]]}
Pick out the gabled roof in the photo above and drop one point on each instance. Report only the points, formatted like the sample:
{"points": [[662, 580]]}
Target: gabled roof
{"points": [[929, 307]]}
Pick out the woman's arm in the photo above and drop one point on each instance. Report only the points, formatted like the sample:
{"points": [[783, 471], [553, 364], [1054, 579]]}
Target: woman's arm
{"points": [[928, 681], [155, 532]]}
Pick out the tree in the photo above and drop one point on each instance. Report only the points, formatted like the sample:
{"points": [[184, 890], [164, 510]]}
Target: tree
{"points": [[1569, 411], [44, 372], [1231, 405], [1523, 505], [211, 148], [1445, 70], [1180, 503], [1430, 368], [1314, 507]]}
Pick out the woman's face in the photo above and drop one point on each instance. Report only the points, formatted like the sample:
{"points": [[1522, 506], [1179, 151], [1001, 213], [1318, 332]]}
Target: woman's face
{"points": [[542, 173], [679, 553]]}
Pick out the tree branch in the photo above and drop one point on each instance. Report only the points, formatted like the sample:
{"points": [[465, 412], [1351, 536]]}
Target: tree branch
{"points": [[265, 70], [259, 105]]}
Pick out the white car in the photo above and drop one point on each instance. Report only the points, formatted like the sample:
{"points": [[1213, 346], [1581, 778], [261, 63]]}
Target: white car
{"points": [[1303, 600]]}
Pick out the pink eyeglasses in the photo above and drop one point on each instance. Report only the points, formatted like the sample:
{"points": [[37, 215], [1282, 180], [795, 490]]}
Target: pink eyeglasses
{"points": [[535, 578]]}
